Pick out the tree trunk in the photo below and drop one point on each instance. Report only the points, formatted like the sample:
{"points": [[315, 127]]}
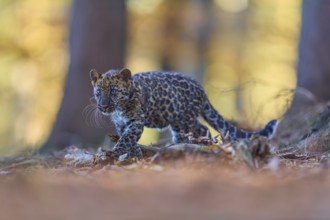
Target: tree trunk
{"points": [[97, 40], [314, 49], [313, 71], [181, 29]]}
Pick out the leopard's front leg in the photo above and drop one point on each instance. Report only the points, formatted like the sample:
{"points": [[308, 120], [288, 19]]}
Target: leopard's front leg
{"points": [[129, 136]]}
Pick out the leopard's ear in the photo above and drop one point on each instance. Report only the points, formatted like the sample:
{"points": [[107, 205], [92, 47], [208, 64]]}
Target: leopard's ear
{"points": [[94, 76], [125, 74]]}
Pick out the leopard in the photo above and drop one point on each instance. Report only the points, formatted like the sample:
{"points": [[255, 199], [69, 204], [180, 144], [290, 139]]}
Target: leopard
{"points": [[160, 99]]}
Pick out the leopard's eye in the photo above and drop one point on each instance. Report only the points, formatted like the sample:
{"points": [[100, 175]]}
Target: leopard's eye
{"points": [[98, 92]]}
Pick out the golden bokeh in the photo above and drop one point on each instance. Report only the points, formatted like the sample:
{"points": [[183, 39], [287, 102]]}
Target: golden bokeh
{"points": [[249, 70]]}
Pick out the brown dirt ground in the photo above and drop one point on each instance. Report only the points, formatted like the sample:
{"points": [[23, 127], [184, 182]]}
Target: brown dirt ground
{"points": [[190, 188]]}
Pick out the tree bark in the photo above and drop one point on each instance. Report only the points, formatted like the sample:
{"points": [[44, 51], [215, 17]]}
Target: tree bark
{"points": [[194, 31], [313, 71], [97, 40], [314, 49]]}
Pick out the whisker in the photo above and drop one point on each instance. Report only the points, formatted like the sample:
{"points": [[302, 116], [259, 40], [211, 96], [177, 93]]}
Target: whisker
{"points": [[92, 100], [94, 118], [87, 112]]}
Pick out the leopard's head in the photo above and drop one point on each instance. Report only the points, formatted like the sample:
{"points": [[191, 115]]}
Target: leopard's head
{"points": [[111, 89]]}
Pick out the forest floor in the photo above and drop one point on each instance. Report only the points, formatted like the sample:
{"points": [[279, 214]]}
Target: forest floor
{"points": [[245, 180]]}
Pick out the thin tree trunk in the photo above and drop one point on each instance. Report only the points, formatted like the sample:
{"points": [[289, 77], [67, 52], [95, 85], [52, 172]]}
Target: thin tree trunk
{"points": [[314, 49], [97, 40], [179, 30], [313, 71]]}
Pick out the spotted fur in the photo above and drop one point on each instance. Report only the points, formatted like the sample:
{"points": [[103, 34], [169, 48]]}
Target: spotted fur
{"points": [[158, 100]]}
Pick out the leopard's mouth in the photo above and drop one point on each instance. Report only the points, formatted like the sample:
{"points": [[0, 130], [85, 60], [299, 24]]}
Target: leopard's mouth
{"points": [[106, 113], [106, 110]]}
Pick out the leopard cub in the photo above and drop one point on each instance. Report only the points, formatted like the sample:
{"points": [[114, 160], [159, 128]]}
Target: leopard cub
{"points": [[159, 100]]}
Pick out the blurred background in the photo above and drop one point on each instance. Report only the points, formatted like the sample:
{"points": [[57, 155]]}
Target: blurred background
{"points": [[244, 52]]}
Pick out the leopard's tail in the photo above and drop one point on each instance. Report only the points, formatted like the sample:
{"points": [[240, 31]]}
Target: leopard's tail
{"points": [[213, 118]]}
